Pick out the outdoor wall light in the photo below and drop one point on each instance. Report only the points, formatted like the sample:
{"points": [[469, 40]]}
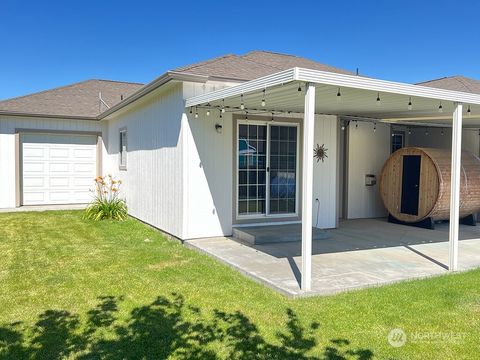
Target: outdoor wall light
{"points": [[218, 128]]}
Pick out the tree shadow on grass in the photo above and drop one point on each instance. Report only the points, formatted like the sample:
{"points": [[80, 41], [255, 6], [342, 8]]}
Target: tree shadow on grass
{"points": [[167, 327]]}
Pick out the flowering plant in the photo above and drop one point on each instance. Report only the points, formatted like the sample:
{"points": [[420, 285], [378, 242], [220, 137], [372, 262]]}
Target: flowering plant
{"points": [[107, 203]]}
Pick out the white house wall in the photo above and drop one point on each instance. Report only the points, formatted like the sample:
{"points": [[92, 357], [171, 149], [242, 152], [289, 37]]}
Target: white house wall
{"points": [[208, 169], [209, 172], [367, 152], [325, 174], [470, 139], [8, 124], [153, 180]]}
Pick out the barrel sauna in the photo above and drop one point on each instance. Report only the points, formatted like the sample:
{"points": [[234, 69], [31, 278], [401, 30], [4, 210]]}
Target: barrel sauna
{"points": [[415, 185]]}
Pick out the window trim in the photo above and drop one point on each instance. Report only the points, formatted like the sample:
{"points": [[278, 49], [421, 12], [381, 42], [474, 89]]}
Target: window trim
{"points": [[268, 215], [122, 160]]}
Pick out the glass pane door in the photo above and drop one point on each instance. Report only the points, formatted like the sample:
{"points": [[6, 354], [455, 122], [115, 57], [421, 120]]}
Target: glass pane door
{"points": [[283, 166], [252, 167]]}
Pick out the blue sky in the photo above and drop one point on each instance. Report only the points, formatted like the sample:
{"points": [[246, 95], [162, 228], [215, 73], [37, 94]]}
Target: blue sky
{"points": [[45, 44]]}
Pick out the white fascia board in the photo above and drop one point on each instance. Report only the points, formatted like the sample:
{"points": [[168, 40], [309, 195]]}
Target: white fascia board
{"points": [[279, 78], [338, 80], [383, 86]]}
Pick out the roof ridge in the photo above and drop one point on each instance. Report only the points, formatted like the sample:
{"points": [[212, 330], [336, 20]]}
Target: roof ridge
{"points": [[436, 79], [272, 52], [201, 63], [460, 80], [118, 81]]}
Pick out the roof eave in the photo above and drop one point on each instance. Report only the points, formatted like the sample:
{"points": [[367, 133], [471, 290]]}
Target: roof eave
{"points": [[335, 79], [48, 116], [160, 81]]}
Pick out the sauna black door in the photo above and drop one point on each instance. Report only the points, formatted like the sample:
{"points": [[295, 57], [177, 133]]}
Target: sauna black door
{"points": [[410, 184]]}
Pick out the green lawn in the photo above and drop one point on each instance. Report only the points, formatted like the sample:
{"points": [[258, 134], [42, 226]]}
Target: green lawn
{"points": [[71, 288]]}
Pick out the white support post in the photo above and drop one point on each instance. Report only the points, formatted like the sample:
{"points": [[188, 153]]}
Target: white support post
{"points": [[307, 188], [455, 187]]}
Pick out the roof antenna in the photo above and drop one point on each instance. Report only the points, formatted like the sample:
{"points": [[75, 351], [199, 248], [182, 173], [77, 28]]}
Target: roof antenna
{"points": [[101, 101]]}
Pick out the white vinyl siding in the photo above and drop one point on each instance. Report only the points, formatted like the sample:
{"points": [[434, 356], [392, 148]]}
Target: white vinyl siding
{"points": [[57, 168], [152, 186]]}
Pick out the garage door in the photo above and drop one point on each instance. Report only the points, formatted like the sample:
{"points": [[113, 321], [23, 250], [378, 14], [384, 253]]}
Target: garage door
{"points": [[58, 169]]}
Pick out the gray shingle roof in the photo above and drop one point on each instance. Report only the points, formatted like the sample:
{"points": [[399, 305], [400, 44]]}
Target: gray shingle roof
{"points": [[75, 100], [82, 99], [456, 83], [253, 65]]}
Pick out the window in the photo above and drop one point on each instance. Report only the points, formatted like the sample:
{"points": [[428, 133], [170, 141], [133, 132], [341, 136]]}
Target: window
{"points": [[267, 159], [123, 149], [398, 141]]}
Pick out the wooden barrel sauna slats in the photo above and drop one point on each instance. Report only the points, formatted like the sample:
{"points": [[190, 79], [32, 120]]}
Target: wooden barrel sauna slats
{"points": [[433, 184]]}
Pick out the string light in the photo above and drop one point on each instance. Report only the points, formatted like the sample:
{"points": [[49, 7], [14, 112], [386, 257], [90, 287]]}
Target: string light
{"points": [[374, 127], [442, 132], [223, 106], [221, 114], [242, 105], [356, 124], [208, 112], [191, 111], [246, 115], [469, 112], [339, 95], [263, 99], [410, 105], [196, 113], [440, 108], [409, 131], [299, 88], [378, 99], [426, 132]]}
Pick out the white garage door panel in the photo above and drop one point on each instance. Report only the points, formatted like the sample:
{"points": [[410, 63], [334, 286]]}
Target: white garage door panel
{"points": [[58, 169]]}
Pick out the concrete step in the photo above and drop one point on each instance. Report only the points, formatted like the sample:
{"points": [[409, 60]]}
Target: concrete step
{"points": [[267, 234]]}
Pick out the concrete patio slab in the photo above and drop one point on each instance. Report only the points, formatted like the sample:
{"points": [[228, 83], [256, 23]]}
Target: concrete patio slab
{"points": [[359, 254]]}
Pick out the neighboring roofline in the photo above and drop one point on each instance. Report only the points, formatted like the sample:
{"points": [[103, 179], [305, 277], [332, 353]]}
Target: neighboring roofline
{"points": [[335, 79], [67, 86]]}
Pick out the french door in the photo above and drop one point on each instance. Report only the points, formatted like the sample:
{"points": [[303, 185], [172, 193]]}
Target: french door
{"points": [[267, 168]]}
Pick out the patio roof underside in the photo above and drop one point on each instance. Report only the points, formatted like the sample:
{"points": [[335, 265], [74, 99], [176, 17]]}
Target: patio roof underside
{"points": [[352, 102]]}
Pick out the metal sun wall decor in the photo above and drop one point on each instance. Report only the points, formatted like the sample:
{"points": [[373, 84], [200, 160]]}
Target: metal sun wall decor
{"points": [[320, 153]]}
